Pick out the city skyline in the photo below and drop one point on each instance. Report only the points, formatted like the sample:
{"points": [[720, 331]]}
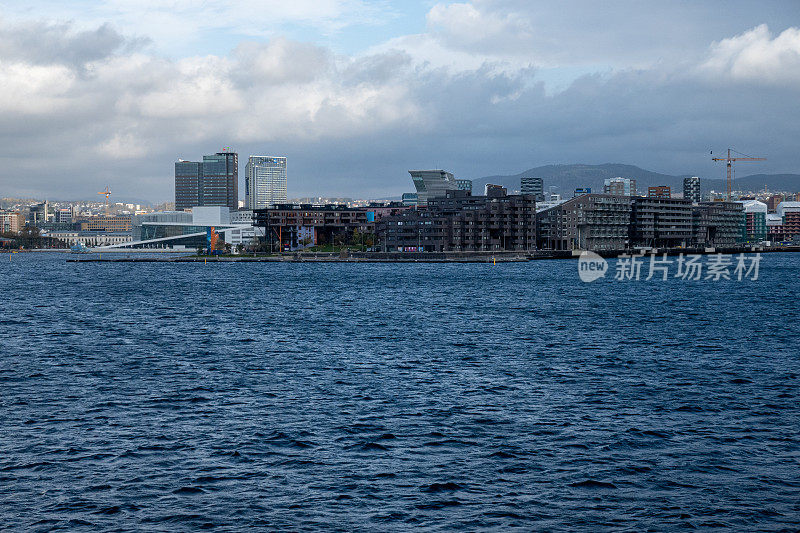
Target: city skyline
{"points": [[354, 94]]}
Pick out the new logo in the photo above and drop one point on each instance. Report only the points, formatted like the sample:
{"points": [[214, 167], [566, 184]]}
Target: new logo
{"points": [[591, 266]]}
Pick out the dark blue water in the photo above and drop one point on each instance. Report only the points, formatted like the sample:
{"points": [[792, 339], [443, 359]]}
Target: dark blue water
{"points": [[163, 397]]}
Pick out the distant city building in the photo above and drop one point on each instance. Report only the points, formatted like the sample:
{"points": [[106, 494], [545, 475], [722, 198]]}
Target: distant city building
{"points": [[432, 183], [659, 191], [63, 216], [212, 182], [409, 198], [11, 221], [39, 214], [619, 186], [773, 201], [532, 185], [494, 190], [464, 185], [265, 181], [691, 189]]}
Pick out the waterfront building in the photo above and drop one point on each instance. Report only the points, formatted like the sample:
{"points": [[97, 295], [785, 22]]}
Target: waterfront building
{"points": [[90, 238], [182, 230], [774, 227], [459, 221], [532, 185], [785, 224], [659, 191], [619, 186], [432, 183], [464, 185], [293, 226], [691, 189], [754, 229], [660, 221], [244, 233], [717, 224], [212, 182], [265, 181], [107, 223], [587, 222]]}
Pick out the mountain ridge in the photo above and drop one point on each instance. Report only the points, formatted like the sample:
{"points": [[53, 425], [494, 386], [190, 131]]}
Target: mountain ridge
{"points": [[569, 177]]}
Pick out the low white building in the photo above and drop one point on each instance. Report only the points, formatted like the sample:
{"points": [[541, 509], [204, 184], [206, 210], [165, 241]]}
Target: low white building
{"points": [[90, 239]]}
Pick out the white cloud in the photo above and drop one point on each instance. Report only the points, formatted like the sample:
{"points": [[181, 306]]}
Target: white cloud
{"points": [[756, 56]]}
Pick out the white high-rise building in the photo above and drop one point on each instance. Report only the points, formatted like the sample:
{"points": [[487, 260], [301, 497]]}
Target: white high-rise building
{"points": [[265, 181]]}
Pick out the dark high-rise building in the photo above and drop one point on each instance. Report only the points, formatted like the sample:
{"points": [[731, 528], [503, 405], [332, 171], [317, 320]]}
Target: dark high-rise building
{"points": [[658, 220], [212, 182], [691, 189], [187, 184], [532, 185]]}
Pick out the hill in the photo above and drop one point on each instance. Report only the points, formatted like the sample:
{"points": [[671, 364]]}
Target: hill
{"points": [[569, 177]]}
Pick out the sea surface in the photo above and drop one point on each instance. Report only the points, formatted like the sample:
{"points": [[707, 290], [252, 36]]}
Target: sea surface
{"points": [[395, 397]]}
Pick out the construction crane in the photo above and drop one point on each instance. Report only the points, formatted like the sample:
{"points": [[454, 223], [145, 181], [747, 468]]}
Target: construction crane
{"points": [[730, 161], [106, 193]]}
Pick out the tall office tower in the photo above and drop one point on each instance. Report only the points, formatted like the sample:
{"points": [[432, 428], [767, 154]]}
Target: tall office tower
{"points": [[532, 186], [212, 182], [265, 181], [187, 184], [464, 185], [619, 187], [691, 189], [432, 184]]}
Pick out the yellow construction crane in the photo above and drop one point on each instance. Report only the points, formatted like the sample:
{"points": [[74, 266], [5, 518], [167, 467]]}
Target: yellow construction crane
{"points": [[730, 161], [106, 193]]}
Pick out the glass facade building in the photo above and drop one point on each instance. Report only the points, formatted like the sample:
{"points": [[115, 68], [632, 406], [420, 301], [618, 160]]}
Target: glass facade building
{"points": [[432, 184], [212, 182], [265, 181]]}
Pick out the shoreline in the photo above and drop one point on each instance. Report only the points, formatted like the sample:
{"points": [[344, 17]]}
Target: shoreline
{"points": [[425, 257]]}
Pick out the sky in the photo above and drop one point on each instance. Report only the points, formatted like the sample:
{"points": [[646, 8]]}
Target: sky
{"points": [[356, 92]]}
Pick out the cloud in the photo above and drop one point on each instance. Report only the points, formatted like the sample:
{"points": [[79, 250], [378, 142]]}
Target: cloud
{"points": [[756, 56], [41, 43], [469, 94]]}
